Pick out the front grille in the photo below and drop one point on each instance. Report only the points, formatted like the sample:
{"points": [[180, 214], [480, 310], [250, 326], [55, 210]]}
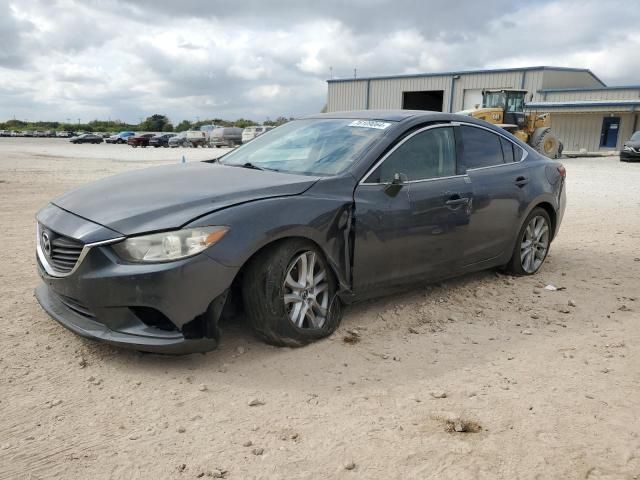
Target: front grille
{"points": [[61, 252]]}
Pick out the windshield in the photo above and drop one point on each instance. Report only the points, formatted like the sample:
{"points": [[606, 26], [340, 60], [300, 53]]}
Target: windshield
{"points": [[515, 102], [494, 100], [636, 137], [310, 147]]}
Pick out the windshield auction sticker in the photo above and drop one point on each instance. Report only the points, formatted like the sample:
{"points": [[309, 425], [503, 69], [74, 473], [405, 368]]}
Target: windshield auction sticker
{"points": [[369, 124]]}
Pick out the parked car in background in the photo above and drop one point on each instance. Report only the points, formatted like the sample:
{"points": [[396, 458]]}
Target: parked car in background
{"points": [[190, 138], [323, 210], [631, 150], [121, 137], [5, 133], [86, 138], [161, 140], [226, 137], [63, 134], [250, 133], [197, 138], [178, 140], [141, 140]]}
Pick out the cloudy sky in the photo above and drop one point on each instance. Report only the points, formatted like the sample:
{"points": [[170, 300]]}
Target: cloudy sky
{"points": [[125, 60]]}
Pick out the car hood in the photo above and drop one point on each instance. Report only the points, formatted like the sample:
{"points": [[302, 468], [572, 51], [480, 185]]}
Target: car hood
{"points": [[163, 198], [633, 144]]}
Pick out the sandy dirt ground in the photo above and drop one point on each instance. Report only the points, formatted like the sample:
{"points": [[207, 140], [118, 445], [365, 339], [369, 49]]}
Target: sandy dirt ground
{"points": [[546, 383]]}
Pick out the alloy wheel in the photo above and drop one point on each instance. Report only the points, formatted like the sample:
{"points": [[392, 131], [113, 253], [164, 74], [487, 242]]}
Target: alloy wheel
{"points": [[535, 244], [306, 291]]}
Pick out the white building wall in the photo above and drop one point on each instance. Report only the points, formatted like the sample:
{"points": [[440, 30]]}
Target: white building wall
{"points": [[344, 96], [387, 93], [483, 81], [568, 79], [582, 130], [608, 94], [576, 128]]}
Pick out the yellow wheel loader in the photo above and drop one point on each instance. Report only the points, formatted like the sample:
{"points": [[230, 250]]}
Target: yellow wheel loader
{"points": [[505, 108]]}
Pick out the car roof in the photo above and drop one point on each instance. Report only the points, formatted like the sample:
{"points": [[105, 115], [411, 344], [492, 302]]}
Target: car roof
{"points": [[389, 115], [405, 116]]}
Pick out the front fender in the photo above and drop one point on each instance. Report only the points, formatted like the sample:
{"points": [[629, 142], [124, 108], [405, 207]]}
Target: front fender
{"points": [[255, 224]]}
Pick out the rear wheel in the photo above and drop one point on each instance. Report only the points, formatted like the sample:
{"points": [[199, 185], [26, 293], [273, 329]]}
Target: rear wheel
{"points": [[289, 294], [533, 244]]}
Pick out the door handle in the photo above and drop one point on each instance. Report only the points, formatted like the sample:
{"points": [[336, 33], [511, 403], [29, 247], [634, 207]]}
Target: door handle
{"points": [[456, 200], [521, 181]]}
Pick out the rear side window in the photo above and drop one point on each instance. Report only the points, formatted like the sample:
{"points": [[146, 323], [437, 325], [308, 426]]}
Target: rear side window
{"points": [[482, 148], [428, 154], [518, 153], [507, 150]]}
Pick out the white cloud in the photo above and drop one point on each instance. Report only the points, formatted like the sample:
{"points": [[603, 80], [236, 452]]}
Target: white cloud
{"points": [[119, 59]]}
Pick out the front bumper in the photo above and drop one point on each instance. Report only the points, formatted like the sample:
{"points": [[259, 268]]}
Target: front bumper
{"points": [[627, 156], [92, 329], [168, 307]]}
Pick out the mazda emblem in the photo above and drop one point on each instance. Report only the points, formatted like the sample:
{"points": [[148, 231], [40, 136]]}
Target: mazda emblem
{"points": [[46, 244]]}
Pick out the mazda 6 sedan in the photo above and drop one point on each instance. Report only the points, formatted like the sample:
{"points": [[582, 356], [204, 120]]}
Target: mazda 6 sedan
{"points": [[315, 214]]}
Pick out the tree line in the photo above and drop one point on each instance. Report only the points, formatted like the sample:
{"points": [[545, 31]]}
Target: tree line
{"points": [[154, 123]]}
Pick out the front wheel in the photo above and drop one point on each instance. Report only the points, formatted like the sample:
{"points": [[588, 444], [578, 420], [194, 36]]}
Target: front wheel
{"points": [[289, 294], [533, 244]]}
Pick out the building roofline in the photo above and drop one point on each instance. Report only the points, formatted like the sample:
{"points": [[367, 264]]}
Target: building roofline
{"points": [[590, 89], [468, 72]]}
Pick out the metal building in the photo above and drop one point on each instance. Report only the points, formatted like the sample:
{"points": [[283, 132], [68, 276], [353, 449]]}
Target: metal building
{"points": [[586, 114]]}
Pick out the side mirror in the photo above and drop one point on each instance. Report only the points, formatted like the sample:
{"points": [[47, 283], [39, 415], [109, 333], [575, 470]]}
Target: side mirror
{"points": [[396, 184]]}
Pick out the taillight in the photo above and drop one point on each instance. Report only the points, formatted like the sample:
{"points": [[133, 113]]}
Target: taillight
{"points": [[562, 171]]}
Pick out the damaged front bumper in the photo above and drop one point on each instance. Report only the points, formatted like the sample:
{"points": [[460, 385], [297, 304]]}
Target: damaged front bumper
{"points": [[137, 338], [171, 307]]}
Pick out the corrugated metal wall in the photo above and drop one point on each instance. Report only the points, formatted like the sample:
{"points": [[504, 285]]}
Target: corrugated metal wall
{"points": [[576, 129], [615, 94], [483, 80], [344, 96], [582, 130], [568, 79], [387, 93]]}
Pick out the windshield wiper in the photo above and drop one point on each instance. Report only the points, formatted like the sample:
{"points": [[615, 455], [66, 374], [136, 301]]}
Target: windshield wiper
{"points": [[249, 165]]}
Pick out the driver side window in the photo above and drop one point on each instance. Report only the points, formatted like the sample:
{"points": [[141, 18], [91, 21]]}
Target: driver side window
{"points": [[428, 154]]}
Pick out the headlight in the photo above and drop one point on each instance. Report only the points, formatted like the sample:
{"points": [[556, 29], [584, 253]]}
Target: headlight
{"points": [[167, 246], [627, 148]]}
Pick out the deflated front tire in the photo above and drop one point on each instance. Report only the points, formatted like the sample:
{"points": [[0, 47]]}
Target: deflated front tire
{"points": [[289, 294]]}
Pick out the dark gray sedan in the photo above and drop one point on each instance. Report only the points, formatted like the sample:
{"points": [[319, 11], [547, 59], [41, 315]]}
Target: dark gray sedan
{"points": [[314, 214]]}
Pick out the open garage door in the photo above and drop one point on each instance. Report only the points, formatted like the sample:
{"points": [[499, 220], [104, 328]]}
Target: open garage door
{"points": [[423, 100]]}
